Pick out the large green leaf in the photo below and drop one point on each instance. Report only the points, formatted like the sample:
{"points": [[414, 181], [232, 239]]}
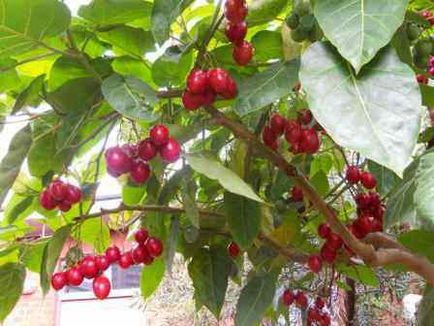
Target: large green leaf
{"points": [[12, 278], [96, 233], [43, 156], [11, 164], [18, 208], [130, 97], [244, 219], [26, 23], [359, 28], [367, 112], [360, 273], [426, 308], [209, 271], [188, 194], [419, 241], [227, 178], [424, 194], [386, 179], [30, 95], [268, 45], [32, 256], [171, 70], [266, 87], [254, 300], [151, 278], [263, 11]]}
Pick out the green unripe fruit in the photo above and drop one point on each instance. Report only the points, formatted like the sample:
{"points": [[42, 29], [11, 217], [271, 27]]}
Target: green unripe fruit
{"points": [[302, 7], [292, 21], [299, 35], [307, 22], [423, 48], [413, 32]]}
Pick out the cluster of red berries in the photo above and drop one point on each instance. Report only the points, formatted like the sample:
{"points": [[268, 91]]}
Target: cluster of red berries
{"points": [[429, 16], [316, 314], [421, 78], [302, 137], [60, 194], [92, 267], [203, 86], [134, 158], [233, 249], [236, 30]]}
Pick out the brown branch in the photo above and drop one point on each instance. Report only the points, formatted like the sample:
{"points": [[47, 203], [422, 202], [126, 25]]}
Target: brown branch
{"points": [[171, 93], [284, 251]]}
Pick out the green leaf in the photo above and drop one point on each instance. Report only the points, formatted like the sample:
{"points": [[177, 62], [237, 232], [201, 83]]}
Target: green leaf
{"points": [[151, 278], [96, 233], [188, 194], [424, 195], [254, 300], [11, 164], [130, 97], [244, 219], [32, 256], [133, 67], [360, 273], [263, 11], [359, 28], [9, 79], [168, 70], [427, 95], [321, 183], [25, 24], [227, 178], [12, 278], [103, 12], [65, 69], [43, 156], [18, 208], [209, 271], [268, 45], [51, 255], [355, 111], [30, 95], [266, 87], [426, 308], [420, 242], [386, 179], [132, 194]]}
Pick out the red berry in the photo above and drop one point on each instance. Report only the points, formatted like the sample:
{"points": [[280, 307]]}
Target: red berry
{"points": [[313, 314], [140, 172], [154, 246], [217, 79], [426, 14], [159, 135], [101, 287], [236, 32], [431, 71], [74, 276], [293, 132], [88, 267], [113, 254], [368, 180], [363, 224], [363, 201], [324, 230], [269, 137], [319, 303], [421, 79], [301, 300], [58, 281], [288, 297], [118, 162], [231, 89], [47, 201], [233, 249], [310, 141], [278, 124], [141, 235], [192, 101], [374, 199], [65, 206], [197, 81], [140, 254], [334, 241], [431, 61], [243, 53], [130, 149], [171, 151], [378, 213], [58, 190], [315, 263], [74, 194], [147, 150], [296, 194], [126, 260], [328, 254], [102, 262], [209, 97], [325, 320], [305, 117], [235, 11], [377, 225], [353, 174]]}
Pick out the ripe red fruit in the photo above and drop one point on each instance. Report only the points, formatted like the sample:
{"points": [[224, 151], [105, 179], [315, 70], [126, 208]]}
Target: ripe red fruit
{"points": [[310, 141], [113, 254], [363, 224], [305, 117], [324, 230], [421, 79], [293, 132], [233, 249], [243, 53], [325, 320], [126, 260], [171, 151], [217, 79], [140, 254], [101, 287], [231, 89], [58, 190], [154, 246], [431, 71], [209, 97], [287, 297], [88, 267], [192, 101], [378, 213], [47, 201], [278, 124], [118, 162], [159, 135], [58, 281], [296, 194], [334, 241], [313, 315], [363, 200], [235, 11], [147, 150], [197, 81], [269, 137], [353, 174], [65, 206], [140, 172], [368, 180], [73, 195], [431, 61], [74, 276], [377, 226], [102, 262], [328, 254], [319, 303], [141, 235], [236, 32], [301, 300], [130, 149], [315, 263]]}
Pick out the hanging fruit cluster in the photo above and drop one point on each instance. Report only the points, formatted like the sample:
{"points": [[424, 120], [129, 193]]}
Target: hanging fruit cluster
{"points": [[300, 134], [303, 24], [60, 194], [203, 86], [133, 158], [92, 267], [236, 30]]}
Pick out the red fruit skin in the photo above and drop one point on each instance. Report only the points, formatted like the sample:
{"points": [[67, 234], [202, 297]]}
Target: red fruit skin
{"points": [[353, 174], [293, 132], [297, 194], [154, 246], [324, 230], [58, 281], [146, 150], [113, 254], [209, 97], [325, 320], [243, 53], [315, 263], [334, 241], [88, 268], [319, 303], [126, 260], [231, 89], [288, 297], [74, 276], [235, 11], [131, 150], [328, 254], [368, 180], [236, 32], [301, 300], [305, 117], [171, 151], [118, 162], [102, 262], [141, 235], [159, 135], [233, 249], [363, 201], [58, 190], [421, 79], [65, 206], [310, 141], [192, 101], [197, 81], [74, 194], [217, 79], [269, 137], [431, 61], [101, 287], [278, 124], [47, 201], [140, 254], [140, 173], [431, 71], [313, 315]]}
